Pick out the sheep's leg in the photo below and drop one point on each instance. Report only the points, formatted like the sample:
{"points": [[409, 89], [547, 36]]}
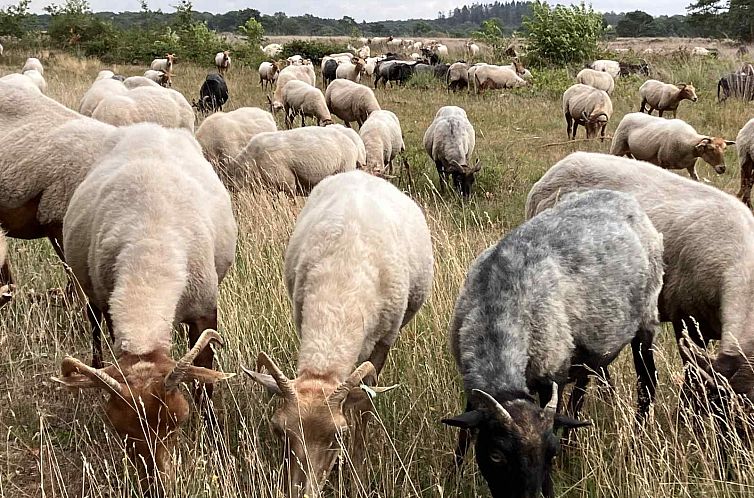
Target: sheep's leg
{"points": [[303, 123], [747, 179], [660, 112], [441, 174], [569, 123], [643, 105], [576, 400], [602, 134], [94, 315], [6, 281], [575, 127], [206, 357], [646, 372], [692, 172]]}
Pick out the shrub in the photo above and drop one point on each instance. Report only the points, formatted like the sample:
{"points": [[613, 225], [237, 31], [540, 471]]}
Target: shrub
{"points": [[313, 50]]}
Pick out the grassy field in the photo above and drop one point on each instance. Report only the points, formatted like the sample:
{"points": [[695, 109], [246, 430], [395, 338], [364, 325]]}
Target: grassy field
{"points": [[57, 444]]}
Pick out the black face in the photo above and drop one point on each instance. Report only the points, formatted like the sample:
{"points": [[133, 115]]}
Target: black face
{"points": [[463, 183]]}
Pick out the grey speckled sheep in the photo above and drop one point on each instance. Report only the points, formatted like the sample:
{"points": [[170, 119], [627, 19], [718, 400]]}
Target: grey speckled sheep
{"points": [[450, 142], [745, 146], [294, 161], [709, 250], [668, 143], [162, 106], [383, 140], [302, 99], [555, 300], [589, 107], [664, 96], [350, 101], [600, 80]]}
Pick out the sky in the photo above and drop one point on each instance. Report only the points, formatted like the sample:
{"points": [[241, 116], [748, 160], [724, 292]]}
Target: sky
{"points": [[358, 9]]}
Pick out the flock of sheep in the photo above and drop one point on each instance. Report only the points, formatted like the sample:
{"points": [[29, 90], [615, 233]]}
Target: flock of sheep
{"points": [[138, 204]]}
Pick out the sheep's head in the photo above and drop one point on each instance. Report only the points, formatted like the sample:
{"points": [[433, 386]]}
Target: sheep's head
{"points": [[311, 420], [712, 151], [687, 92], [146, 404], [515, 443]]}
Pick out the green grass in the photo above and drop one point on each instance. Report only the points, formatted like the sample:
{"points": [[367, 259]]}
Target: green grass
{"points": [[57, 443]]}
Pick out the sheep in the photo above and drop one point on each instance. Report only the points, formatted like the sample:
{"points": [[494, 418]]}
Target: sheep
{"points": [[302, 99], [163, 106], [355, 233], [494, 77], [458, 76], [21, 81], [146, 265], [370, 64], [588, 107], [294, 161], [289, 73], [138, 81], [393, 70], [96, 93], [37, 78], [350, 101], [383, 140], [1, 49], [29, 78], [596, 79], [272, 50], [33, 63], [555, 300], [268, 74], [350, 70], [213, 94], [450, 140], [608, 66], [222, 62], [629, 68], [223, 135], [353, 136], [708, 248], [104, 75], [7, 287], [664, 96], [165, 65], [745, 146], [364, 52], [441, 50], [329, 71], [699, 52], [160, 77], [472, 50], [668, 143], [735, 85]]}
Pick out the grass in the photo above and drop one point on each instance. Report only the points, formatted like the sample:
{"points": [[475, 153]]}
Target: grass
{"points": [[56, 443]]}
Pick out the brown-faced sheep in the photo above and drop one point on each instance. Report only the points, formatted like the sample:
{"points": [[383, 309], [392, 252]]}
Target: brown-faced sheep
{"points": [[588, 107], [664, 96]]}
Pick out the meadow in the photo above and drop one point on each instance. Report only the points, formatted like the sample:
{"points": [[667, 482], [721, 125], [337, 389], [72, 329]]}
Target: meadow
{"points": [[56, 443]]}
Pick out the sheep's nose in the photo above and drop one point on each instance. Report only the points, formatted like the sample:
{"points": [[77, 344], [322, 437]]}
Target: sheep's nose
{"points": [[694, 99], [720, 168]]}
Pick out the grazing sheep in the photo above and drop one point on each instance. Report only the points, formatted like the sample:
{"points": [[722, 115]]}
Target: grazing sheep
{"points": [[212, 95], [163, 106], [364, 52], [146, 265], [489, 77], [100, 89], [290, 73], [351, 70], [138, 81], [6, 279], [664, 96], [700, 52], [708, 248], [30, 77], [629, 68], [745, 146], [458, 76], [222, 62], [450, 140], [165, 65], [353, 136], [160, 77], [596, 79], [358, 267], [302, 99], [33, 63], [555, 300], [668, 143], [735, 85], [383, 141], [223, 135], [393, 70], [441, 50], [268, 74], [272, 50], [588, 107], [350, 101], [329, 71], [278, 161], [608, 66], [104, 75]]}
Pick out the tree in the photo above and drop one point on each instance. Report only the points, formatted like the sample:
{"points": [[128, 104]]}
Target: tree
{"points": [[253, 30], [636, 23], [14, 19], [421, 28], [491, 33]]}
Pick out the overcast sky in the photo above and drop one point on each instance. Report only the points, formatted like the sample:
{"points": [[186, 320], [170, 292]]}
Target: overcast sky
{"points": [[358, 9]]}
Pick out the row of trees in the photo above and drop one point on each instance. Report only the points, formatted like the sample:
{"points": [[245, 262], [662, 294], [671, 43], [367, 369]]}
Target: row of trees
{"points": [[717, 18]]}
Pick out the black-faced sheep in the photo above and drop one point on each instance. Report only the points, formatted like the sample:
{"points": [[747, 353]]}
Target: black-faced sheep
{"points": [[213, 94]]}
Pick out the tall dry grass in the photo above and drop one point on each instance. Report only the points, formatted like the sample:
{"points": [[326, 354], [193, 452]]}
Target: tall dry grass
{"points": [[57, 444]]}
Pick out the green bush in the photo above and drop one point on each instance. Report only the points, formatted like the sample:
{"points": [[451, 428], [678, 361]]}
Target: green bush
{"points": [[313, 50]]}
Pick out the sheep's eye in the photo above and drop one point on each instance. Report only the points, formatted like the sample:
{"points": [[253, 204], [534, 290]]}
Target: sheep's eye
{"points": [[497, 457]]}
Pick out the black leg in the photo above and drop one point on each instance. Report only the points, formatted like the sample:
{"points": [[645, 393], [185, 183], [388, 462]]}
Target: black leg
{"points": [[646, 372], [94, 315]]}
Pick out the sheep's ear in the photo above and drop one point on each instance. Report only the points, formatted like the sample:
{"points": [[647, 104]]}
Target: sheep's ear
{"points": [[565, 422], [703, 143], [467, 420]]}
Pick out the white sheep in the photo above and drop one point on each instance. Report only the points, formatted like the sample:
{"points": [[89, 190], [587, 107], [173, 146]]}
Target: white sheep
{"points": [[450, 141], [589, 107], [664, 96], [294, 161], [358, 267], [160, 77], [165, 65], [745, 146], [104, 74], [472, 50], [353, 136], [100, 90], [458, 76], [351, 70], [668, 143], [272, 50], [700, 52], [383, 140], [494, 77], [268, 74], [222, 62], [33, 63], [37, 78], [609, 66], [290, 73], [364, 52], [350, 101], [441, 50], [163, 106], [596, 79], [147, 265], [302, 99]]}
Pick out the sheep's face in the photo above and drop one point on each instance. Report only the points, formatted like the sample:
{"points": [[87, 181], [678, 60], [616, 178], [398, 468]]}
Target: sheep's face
{"points": [[687, 92], [712, 151]]}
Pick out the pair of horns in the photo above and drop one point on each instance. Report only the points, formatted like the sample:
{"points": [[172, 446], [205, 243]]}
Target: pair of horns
{"points": [[501, 414]]}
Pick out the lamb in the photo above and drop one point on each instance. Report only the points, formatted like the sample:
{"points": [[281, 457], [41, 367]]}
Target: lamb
{"points": [[708, 251], [290, 73], [458, 76], [350, 101], [668, 143], [547, 305], [664, 96], [33, 63], [588, 107], [596, 79], [277, 161], [165, 65], [745, 146], [383, 141], [609, 66], [272, 50], [213, 94], [302, 99], [350, 70], [163, 106], [222, 62], [100, 89], [268, 74], [6, 279], [355, 233], [146, 265], [160, 77], [450, 142], [494, 77]]}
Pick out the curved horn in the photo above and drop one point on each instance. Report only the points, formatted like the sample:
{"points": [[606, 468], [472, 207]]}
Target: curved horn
{"points": [[492, 404], [584, 116], [284, 383], [174, 379], [352, 382], [72, 365], [552, 406]]}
